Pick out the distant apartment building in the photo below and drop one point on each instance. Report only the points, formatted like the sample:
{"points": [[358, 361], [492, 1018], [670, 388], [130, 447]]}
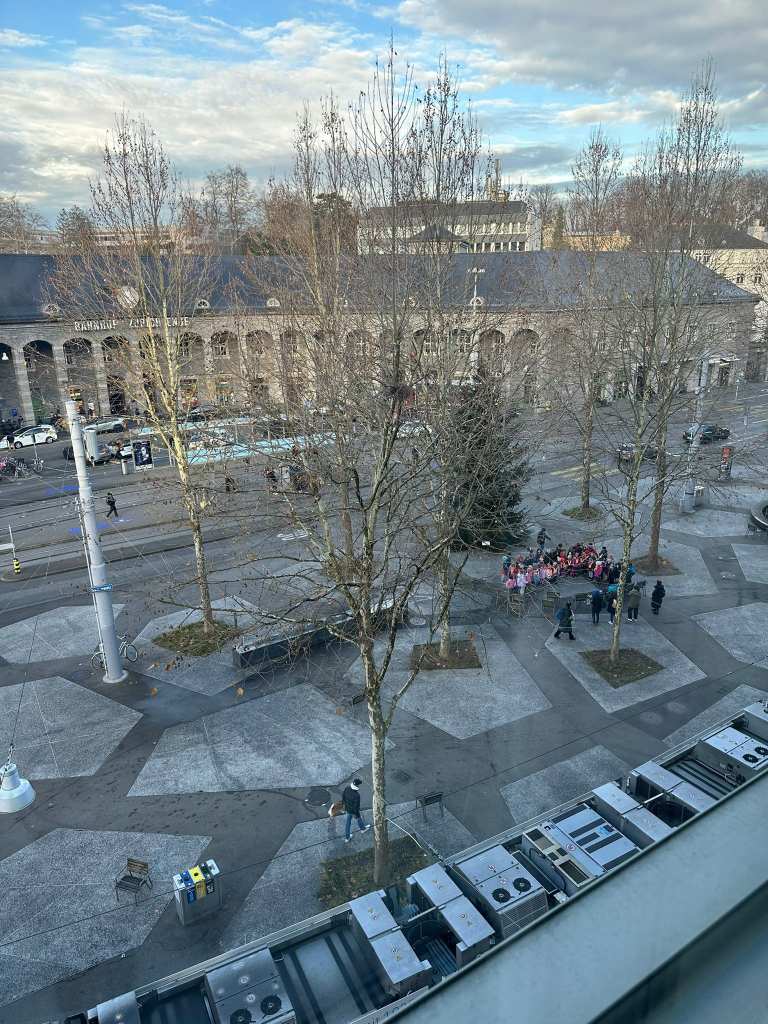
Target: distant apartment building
{"points": [[742, 258]]}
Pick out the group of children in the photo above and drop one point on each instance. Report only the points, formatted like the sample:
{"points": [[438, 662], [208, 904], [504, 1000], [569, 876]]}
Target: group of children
{"points": [[550, 565]]}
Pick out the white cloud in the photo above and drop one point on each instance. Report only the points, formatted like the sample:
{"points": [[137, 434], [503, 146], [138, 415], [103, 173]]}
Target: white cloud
{"points": [[11, 37]]}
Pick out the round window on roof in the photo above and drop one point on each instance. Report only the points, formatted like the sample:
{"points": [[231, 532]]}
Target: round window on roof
{"points": [[127, 297], [273, 303]]}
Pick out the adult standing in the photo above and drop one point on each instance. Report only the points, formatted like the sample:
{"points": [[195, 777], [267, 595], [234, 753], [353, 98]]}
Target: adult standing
{"points": [[657, 596], [597, 606], [565, 618], [611, 597], [351, 800], [633, 603]]}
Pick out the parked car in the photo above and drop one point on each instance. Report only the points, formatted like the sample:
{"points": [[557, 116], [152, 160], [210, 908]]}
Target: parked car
{"points": [[412, 428], [109, 425], [42, 434], [104, 455], [708, 433], [626, 451]]}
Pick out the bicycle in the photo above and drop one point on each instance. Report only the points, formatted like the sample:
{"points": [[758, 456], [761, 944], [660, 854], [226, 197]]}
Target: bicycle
{"points": [[127, 651]]}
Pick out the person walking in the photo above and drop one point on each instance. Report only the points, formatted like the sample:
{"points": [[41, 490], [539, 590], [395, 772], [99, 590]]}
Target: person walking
{"points": [[657, 596], [611, 599], [542, 536], [633, 603], [110, 498], [351, 800], [565, 618], [597, 606]]}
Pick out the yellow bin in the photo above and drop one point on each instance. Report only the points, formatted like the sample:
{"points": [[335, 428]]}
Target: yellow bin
{"points": [[197, 877]]}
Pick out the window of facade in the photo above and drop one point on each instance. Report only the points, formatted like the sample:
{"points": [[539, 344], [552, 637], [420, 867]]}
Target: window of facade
{"points": [[69, 357], [219, 348], [620, 389], [757, 279], [739, 279], [184, 348]]}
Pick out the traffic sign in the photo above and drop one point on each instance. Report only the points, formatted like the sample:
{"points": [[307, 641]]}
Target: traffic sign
{"points": [[99, 590]]}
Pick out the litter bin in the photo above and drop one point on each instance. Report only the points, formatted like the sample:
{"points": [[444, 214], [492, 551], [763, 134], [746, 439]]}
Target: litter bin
{"points": [[197, 892]]}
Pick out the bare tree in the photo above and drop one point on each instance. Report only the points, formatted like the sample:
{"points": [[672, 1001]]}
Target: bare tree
{"points": [[228, 204], [596, 178], [75, 229], [22, 228], [542, 202], [147, 276], [369, 334]]}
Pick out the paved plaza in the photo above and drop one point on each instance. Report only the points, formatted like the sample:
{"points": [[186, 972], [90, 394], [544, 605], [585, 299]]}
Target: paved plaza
{"points": [[176, 762]]}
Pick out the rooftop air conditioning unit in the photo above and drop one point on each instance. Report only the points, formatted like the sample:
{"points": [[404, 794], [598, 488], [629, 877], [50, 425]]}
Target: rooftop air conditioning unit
{"points": [[249, 989], [733, 754]]}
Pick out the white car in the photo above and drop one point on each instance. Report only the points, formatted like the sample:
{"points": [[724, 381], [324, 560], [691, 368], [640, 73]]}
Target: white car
{"points": [[111, 425], [44, 434]]}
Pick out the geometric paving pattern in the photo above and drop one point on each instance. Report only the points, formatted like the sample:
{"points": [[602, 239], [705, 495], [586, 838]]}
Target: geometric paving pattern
{"points": [[287, 891], [734, 701], [562, 781], [753, 560], [209, 675], [676, 671], [61, 633], [462, 702], [742, 631], [58, 912], [63, 729], [289, 739]]}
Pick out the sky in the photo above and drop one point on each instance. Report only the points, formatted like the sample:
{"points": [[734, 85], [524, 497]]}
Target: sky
{"points": [[221, 81]]}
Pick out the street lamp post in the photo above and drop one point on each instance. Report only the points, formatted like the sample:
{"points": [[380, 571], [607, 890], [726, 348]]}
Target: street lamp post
{"points": [[102, 600], [693, 448]]}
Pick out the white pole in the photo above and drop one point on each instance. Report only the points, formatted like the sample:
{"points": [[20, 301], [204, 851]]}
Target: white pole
{"points": [[695, 443], [102, 600]]}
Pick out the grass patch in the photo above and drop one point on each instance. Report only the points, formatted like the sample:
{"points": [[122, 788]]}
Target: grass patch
{"points": [[632, 665], [346, 878], [427, 656], [664, 568], [586, 516], [192, 639]]}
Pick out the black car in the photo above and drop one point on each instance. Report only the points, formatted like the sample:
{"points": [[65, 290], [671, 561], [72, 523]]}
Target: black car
{"points": [[708, 433], [626, 451], [104, 454]]}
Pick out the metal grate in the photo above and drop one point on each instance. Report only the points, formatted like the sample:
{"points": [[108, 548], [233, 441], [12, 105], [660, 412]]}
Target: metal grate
{"points": [[318, 797], [80, 674], [401, 777]]}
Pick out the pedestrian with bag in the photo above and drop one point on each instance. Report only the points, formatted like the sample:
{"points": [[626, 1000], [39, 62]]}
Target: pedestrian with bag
{"points": [[633, 603], [657, 596], [110, 499], [597, 606], [351, 800], [611, 597], [565, 618]]}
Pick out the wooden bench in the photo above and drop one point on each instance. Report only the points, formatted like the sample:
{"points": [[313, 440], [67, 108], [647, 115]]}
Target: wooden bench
{"points": [[135, 876]]}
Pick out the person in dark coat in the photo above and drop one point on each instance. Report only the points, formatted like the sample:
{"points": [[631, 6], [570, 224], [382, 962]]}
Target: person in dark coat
{"points": [[657, 596], [351, 800], [597, 606], [611, 598], [110, 499], [565, 619]]}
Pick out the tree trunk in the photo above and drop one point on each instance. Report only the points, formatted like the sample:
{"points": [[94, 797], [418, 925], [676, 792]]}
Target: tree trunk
{"points": [[629, 533], [346, 520], [378, 769], [586, 456], [652, 558], [197, 539], [444, 605]]}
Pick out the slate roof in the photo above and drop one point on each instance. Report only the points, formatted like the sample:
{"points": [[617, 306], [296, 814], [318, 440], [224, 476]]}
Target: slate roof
{"points": [[723, 236], [544, 280]]}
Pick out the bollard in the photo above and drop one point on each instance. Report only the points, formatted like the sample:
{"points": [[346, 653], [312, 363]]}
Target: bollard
{"points": [[16, 566], [124, 467]]}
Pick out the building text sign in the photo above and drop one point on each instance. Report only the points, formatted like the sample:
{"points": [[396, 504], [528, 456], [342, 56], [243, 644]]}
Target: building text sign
{"points": [[150, 322]]}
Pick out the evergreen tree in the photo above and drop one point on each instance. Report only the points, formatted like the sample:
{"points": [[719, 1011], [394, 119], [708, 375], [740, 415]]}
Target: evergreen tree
{"points": [[558, 235], [495, 469]]}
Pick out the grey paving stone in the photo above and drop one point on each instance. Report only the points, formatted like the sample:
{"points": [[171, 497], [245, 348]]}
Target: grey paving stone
{"points": [[63, 729], [463, 702], [694, 577], [209, 675], [753, 560], [742, 631], [563, 781], [62, 633], [677, 671], [287, 891], [723, 708], [58, 910], [292, 738], [708, 522]]}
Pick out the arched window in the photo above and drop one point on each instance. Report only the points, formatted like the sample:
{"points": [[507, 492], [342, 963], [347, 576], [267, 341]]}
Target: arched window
{"points": [[258, 342]]}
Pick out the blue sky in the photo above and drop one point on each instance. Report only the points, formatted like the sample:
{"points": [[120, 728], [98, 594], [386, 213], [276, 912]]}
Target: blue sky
{"points": [[221, 80]]}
